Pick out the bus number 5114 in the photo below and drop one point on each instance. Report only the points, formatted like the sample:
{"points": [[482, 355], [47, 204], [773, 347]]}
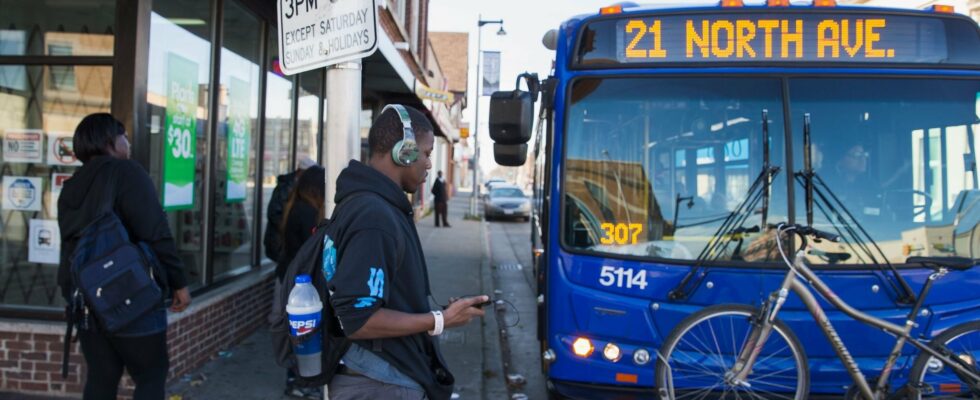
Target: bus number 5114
{"points": [[623, 277]]}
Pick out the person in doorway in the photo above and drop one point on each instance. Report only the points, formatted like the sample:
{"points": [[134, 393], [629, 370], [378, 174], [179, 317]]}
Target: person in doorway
{"points": [[140, 349], [441, 200], [277, 206], [380, 285], [303, 211]]}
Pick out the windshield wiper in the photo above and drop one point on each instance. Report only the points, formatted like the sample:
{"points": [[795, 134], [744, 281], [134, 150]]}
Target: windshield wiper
{"points": [[849, 228], [732, 227]]}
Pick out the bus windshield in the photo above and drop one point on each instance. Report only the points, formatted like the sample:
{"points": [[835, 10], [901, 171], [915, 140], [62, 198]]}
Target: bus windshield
{"points": [[655, 167]]}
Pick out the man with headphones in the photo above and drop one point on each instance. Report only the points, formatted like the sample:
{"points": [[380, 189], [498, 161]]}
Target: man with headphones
{"points": [[380, 286]]}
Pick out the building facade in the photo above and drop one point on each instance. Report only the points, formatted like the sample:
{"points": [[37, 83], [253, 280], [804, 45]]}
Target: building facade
{"points": [[213, 120]]}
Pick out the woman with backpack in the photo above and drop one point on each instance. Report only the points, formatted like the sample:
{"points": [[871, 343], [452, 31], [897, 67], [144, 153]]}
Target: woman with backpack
{"points": [[304, 210], [109, 181]]}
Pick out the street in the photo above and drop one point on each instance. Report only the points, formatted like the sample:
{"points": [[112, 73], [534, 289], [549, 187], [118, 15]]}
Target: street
{"points": [[496, 358]]}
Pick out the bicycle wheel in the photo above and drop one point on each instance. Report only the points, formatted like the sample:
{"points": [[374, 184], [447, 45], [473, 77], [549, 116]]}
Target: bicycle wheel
{"points": [[702, 348], [936, 380]]}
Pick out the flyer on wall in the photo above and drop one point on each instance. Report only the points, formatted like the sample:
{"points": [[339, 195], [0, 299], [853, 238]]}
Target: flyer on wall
{"points": [[22, 193], [44, 242]]}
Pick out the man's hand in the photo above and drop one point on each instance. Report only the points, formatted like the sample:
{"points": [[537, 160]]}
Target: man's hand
{"points": [[182, 299], [461, 311]]}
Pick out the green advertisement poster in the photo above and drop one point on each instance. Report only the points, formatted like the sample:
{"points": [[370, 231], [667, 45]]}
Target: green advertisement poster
{"points": [[238, 139], [181, 126]]}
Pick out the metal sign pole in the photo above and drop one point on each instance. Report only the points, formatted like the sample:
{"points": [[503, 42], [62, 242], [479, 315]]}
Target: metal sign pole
{"points": [[342, 136]]}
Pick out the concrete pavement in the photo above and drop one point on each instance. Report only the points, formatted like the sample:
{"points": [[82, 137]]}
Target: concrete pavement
{"points": [[458, 265]]}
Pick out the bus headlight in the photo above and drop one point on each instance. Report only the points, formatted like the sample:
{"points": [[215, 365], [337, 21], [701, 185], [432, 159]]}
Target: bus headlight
{"points": [[966, 358], [582, 347], [641, 357], [612, 352]]}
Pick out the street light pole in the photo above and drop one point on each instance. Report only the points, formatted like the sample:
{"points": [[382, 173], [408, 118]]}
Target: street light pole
{"points": [[476, 120]]}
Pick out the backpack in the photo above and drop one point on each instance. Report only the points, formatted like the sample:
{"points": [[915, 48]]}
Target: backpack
{"points": [[112, 278], [317, 252], [271, 239]]}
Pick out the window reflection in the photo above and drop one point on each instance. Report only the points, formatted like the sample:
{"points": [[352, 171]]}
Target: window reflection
{"points": [[900, 156], [177, 101], [654, 166], [237, 136]]}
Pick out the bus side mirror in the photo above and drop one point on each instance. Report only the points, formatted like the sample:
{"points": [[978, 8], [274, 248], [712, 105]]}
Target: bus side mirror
{"points": [[511, 117], [510, 155]]}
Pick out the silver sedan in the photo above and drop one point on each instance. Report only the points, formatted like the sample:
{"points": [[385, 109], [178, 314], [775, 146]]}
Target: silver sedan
{"points": [[507, 202]]}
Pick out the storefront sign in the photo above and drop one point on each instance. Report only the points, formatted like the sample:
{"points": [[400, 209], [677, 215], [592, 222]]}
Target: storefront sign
{"points": [[427, 93], [61, 150], [314, 34], [21, 193], [44, 242], [23, 146], [180, 145], [238, 139]]}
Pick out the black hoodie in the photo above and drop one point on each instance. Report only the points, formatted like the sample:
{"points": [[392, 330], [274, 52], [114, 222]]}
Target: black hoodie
{"points": [[134, 200], [380, 264]]}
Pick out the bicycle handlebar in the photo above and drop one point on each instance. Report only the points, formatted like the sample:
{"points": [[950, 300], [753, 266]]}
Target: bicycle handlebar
{"points": [[811, 231]]}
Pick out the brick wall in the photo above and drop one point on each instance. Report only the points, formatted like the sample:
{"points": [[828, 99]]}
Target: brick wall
{"points": [[30, 352]]}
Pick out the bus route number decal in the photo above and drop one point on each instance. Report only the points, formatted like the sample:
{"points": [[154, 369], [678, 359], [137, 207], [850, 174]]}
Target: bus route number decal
{"points": [[621, 233], [623, 277]]}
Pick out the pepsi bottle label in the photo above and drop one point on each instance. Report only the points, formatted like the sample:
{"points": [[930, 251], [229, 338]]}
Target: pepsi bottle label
{"points": [[304, 324]]}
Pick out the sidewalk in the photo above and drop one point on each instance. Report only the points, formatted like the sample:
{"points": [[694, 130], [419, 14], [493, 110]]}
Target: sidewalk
{"points": [[458, 265]]}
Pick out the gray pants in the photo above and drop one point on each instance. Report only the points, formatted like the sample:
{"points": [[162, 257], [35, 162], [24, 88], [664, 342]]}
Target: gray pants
{"points": [[358, 387]]}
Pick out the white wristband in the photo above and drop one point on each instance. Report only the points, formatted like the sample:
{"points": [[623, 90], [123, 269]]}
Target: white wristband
{"points": [[440, 324]]}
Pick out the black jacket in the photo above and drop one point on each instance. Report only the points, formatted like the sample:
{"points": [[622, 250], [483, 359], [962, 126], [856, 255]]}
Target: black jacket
{"points": [[277, 206], [380, 264], [136, 202], [439, 191], [300, 222]]}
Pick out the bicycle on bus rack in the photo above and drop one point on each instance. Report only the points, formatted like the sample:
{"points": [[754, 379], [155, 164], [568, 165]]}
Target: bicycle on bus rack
{"points": [[739, 351]]}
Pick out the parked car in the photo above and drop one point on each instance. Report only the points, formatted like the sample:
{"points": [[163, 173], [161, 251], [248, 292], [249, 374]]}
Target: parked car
{"points": [[507, 201]]}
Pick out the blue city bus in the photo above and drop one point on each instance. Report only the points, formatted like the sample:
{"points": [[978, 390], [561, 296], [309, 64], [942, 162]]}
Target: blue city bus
{"points": [[669, 141]]}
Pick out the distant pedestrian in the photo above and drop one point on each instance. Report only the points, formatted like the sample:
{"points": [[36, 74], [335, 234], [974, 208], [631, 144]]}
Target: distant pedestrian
{"points": [[441, 200], [277, 206], [141, 347], [303, 211], [380, 287]]}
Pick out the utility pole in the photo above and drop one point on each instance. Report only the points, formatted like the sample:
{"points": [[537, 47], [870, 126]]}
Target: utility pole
{"points": [[476, 119]]}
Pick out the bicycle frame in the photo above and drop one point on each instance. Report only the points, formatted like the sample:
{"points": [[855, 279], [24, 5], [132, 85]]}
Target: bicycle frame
{"points": [[759, 335]]}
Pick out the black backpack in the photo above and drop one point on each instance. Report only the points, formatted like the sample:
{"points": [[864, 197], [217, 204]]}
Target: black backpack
{"points": [[309, 260]]}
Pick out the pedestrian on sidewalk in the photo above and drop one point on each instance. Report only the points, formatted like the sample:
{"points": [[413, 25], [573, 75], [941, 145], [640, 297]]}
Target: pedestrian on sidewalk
{"points": [[380, 285], [277, 206], [100, 143], [441, 200], [303, 211]]}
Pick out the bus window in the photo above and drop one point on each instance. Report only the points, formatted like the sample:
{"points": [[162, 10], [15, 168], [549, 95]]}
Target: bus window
{"points": [[654, 166], [899, 154]]}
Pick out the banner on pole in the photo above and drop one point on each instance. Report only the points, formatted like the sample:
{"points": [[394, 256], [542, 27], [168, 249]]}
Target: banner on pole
{"points": [[491, 72]]}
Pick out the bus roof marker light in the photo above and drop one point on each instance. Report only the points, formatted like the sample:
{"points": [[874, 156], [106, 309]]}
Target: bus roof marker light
{"points": [[942, 8], [615, 9], [612, 352], [825, 3], [582, 347], [777, 3], [732, 3]]}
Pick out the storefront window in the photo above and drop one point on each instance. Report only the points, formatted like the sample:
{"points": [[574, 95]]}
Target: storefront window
{"points": [[278, 123], [177, 101], [237, 135], [39, 110], [57, 28], [310, 92]]}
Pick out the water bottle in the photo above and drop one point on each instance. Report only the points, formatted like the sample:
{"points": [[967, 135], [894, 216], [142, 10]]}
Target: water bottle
{"points": [[305, 310]]}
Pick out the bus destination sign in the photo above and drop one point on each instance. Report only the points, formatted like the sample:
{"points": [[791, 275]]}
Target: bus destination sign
{"points": [[782, 37]]}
